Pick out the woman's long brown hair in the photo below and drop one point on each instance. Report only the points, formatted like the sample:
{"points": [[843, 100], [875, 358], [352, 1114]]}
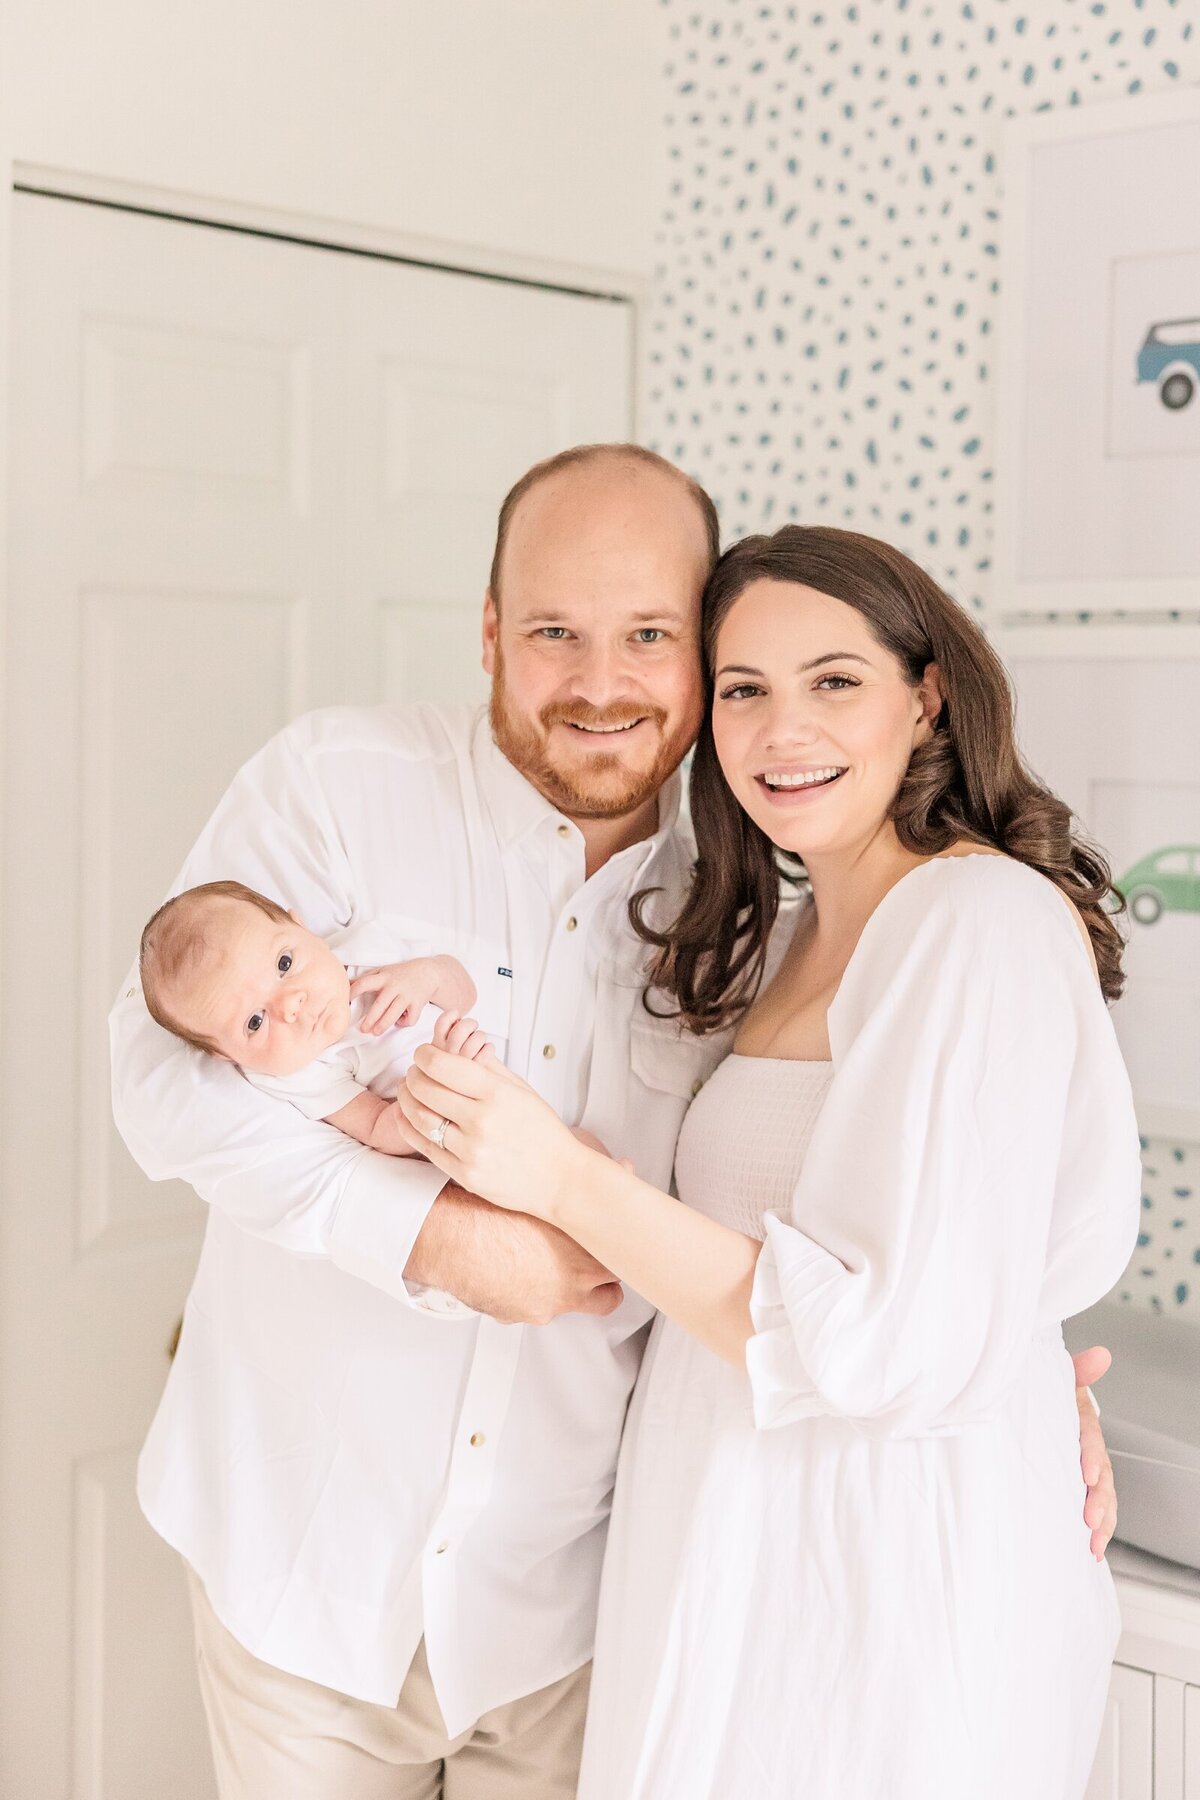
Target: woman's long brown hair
{"points": [[966, 782]]}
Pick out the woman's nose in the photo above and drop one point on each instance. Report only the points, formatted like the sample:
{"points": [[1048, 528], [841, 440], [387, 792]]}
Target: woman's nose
{"points": [[789, 724]]}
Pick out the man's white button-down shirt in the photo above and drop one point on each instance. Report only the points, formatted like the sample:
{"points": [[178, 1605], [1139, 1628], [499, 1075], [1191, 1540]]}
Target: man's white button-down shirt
{"points": [[346, 1461]]}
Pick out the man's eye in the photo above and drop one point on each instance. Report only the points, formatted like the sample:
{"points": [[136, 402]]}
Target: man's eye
{"points": [[254, 1022], [285, 962], [650, 634], [556, 633]]}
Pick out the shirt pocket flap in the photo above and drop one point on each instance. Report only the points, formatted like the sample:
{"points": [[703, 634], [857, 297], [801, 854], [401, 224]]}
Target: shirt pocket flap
{"points": [[670, 1061]]}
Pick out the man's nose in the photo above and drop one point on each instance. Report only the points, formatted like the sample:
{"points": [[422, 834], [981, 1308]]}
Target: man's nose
{"points": [[600, 677]]}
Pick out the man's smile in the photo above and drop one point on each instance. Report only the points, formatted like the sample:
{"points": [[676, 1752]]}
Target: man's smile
{"points": [[604, 733]]}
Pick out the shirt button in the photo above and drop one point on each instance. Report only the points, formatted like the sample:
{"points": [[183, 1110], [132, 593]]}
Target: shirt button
{"points": [[571, 924], [442, 1549], [564, 831], [477, 1439], [548, 1052], [131, 993]]}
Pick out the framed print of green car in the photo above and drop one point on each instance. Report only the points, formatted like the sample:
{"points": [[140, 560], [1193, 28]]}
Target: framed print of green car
{"points": [[1165, 881], [1170, 357]]}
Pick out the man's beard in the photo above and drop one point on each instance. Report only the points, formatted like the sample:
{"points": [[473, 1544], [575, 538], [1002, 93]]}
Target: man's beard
{"points": [[603, 788]]}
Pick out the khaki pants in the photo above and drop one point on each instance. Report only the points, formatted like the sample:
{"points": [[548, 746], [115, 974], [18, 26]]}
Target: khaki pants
{"points": [[278, 1737]]}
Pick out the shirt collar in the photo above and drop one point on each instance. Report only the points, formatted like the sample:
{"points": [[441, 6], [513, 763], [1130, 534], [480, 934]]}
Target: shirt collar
{"points": [[518, 809]]}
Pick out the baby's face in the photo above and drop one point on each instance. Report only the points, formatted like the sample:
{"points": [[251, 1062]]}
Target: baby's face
{"points": [[272, 998]]}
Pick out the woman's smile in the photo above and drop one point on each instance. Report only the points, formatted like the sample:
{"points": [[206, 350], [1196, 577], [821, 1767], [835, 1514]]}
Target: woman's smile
{"points": [[799, 786]]}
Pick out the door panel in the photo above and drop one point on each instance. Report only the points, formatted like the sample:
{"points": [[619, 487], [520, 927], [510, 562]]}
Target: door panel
{"points": [[1191, 1743], [247, 478]]}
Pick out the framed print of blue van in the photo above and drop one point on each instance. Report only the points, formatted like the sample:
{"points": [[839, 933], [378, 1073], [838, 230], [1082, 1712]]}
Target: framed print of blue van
{"points": [[1098, 467], [1119, 738]]}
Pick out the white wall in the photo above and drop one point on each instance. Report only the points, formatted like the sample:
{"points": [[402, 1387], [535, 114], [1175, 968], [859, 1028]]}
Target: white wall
{"points": [[524, 126]]}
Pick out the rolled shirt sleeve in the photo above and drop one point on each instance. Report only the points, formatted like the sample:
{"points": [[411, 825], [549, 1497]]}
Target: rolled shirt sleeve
{"points": [[973, 1177]]}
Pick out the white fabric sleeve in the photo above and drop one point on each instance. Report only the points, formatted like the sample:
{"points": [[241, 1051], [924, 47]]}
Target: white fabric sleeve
{"points": [[184, 1115], [317, 1091], [928, 1194]]}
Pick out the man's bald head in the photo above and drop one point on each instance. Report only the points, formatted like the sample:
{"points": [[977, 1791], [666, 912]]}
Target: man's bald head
{"points": [[588, 460]]}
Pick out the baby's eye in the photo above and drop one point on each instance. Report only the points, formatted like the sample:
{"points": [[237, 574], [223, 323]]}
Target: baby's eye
{"points": [[285, 962], [254, 1022]]}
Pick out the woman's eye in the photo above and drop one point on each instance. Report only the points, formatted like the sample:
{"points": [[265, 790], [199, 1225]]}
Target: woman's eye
{"points": [[254, 1022], [837, 682], [285, 962], [744, 690]]}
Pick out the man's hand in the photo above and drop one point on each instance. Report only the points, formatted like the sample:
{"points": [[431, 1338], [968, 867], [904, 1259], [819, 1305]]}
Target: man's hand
{"points": [[1100, 1507], [518, 1269]]}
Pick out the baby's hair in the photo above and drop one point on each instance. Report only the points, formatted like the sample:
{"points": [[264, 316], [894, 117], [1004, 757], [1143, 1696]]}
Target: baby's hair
{"points": [[175, 944]]}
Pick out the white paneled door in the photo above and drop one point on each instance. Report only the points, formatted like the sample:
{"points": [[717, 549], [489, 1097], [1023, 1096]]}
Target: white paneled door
{"points": [[247, 477]]}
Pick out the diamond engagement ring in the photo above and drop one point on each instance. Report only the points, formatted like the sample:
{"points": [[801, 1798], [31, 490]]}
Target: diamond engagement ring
{"points": [[438, 1134]]}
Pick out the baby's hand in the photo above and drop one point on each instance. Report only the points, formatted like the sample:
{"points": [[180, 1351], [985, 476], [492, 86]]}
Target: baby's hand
{"points": [[463, 1037], [402, 992]]}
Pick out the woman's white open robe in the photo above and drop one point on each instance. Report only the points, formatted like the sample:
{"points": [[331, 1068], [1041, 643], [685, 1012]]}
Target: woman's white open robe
{"points": [[858, 1569]]}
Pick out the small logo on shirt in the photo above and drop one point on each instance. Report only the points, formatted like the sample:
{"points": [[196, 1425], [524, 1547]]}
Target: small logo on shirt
{"points": [[507, 972]]}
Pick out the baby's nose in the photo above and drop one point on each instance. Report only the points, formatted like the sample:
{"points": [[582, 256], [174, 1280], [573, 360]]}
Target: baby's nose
{"points": [[293, 1004]]}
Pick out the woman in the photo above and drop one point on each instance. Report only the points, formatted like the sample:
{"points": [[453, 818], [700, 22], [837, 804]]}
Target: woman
{"points": [[846, 1559]]}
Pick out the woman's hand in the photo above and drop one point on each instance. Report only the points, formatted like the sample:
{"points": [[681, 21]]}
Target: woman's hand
{"points": [[503, 1141]]}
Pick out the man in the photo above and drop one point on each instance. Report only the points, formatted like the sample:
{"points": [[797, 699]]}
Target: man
{"points": [[393, 1503]]}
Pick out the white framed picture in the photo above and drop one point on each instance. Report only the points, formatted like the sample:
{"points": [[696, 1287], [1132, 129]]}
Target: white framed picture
{"points": [[1098, 466], [1118, 738]]}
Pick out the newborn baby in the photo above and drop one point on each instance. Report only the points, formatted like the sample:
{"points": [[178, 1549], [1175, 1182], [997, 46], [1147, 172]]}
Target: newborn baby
{"points": [[240, 978]]}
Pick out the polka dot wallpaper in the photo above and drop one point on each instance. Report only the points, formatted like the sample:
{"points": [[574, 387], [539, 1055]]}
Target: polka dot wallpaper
{"points": [[822, 327]]}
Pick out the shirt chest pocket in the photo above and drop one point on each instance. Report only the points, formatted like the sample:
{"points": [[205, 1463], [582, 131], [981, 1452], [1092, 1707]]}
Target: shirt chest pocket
{"points": [[669, 1062], [493, 1005]]}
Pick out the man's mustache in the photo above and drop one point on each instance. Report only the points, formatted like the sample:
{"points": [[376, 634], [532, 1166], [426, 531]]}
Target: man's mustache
{"points": [[580, 713]]}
